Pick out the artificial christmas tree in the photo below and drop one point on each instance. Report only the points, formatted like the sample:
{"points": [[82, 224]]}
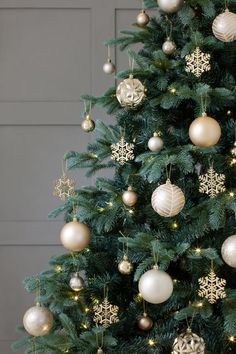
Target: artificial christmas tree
{"points": [[170, 248]]}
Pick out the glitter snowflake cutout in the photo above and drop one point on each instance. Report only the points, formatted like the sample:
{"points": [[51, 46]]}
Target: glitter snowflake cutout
{"points": [[122, 151], [64, 187], [105, 313], [212, 287], [198, 62], [212, 183]]}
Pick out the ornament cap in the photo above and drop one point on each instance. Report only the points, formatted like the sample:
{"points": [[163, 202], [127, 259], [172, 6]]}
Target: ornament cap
{"points": [[74, 218], [131, 76], [88, 117], [145, 314], [189, 330], [130, 188], [156, 267], [168, 181], [204, 114], [125, 257], [38, 304], [235, 143], [155, 134]]}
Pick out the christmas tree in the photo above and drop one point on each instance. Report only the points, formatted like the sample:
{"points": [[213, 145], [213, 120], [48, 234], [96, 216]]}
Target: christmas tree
{"points": [[152, 251]]}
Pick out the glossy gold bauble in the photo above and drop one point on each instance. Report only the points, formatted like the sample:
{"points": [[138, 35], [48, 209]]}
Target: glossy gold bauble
{"points": [[38, 321], [130, 92], [109, 68], [228, 251], [205, 131], [76, 282], [130, 197], [155, 143], [75, 236], [142, 19], [155, 286], [168, 200], [88, 124], [187, 343], [224, 26], [170, 6], [125, 266], [169, 47], [145, 323]]}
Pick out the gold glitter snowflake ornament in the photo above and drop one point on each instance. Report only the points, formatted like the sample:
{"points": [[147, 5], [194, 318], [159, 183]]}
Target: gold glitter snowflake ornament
{"points": [[198, 62], [212, 287], [212, 183], [122, 151], [64, 187], [105, 313]]}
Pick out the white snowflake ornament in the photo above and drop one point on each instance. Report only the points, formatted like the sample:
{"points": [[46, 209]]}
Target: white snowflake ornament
{"points": [[212, 287], [212, 183], [198, 62], [122, 151], [105, 313]]}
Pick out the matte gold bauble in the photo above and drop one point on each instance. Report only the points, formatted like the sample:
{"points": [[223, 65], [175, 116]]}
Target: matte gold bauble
{"points": [[168, 200], [155, 286], [76, 282], [187, 343], [170, 6], [228, 251], [125, 266], [169, 47], [155, 143], [142, 19], [38, 321], [75, 236], [224, 26], [88, 124], [109, 68], [205, 131], [145, 323], [130, 197]]}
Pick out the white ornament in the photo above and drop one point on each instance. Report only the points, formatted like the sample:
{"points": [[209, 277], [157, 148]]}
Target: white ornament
{"points": [[212, 288], [76, 282], [188, 343], [228, 251], [38, 321], [130, 92], [155, 286], [109, 68], [212, 183], [155, 143], [224, 26], [168, 200], [169, 47], [122, 151], [170, 6], [198, 62]]}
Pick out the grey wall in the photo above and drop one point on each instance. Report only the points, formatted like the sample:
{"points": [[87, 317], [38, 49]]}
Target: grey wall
{"points": [[50, 53]]}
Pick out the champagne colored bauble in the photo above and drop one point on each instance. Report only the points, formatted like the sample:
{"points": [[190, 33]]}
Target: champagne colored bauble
{"points": [[38, 321], [88, 124], [228, 251], [100, 351], [170, 6], [125, 266], [130, 197], [130, 92], [145, 323], [204, 131], [168, 200], [142, 19], [75, 236], [109, 68], [224, 26], [76, 282], [169, 47], [187, 343], [155, 286], [155, 143]]}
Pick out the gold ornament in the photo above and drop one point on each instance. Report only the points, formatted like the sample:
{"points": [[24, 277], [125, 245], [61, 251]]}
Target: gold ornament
{"points": [[105, 313], [88, 124], [198, 62], [168, 200], [224, 26], [38, 321], [75, 236], [228, 251], [130, 197], [122, 151], [188, 343], [64, 187], [76, 282], [170, 6], [145, 322], [100, 351], [130, 92], [211, 287], [142, 19], [169, 47], [204, 131], [212, 183], [125, 266]]}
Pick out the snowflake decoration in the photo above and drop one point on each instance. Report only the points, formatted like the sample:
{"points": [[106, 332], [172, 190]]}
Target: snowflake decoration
{"points": [[212, 183], [122, 151], [64, 187], [212, 287], [198, 62], [105, 313]]}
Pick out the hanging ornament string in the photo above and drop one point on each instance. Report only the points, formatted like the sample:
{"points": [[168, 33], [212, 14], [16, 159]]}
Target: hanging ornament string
{"points": [[203, 104], [189, 324], [38, 290], [74, 262], [108, 52], [125, 243], [155, 256], [99, 342], [226, 3], [169, 29], [87, 107], [131, 64], [33, 346], [168, 173]]}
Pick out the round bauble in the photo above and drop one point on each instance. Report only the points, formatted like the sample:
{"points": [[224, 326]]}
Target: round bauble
{"points": [[88, 124], [145, 323], [169, 47], [205, 131], [188, 343], [155, 143], [109, 68], [142, 19], [168, 200], [75, 236], [76, 282], [155, 286], [224, 26], [100, 351], [170, 6], [125, 266], [130, 197], [130, 92], [38, 321], [228, 251]]}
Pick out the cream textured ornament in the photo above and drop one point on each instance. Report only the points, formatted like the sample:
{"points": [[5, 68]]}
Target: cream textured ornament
{"points": [[228, 251], [122, 151], [205, 131], [105, 313], [38, 321], [88, 124], [125, 266], [130, 197], [212, 183], [168, 200], [211, 287], [155, 286], [75, 236], [76, 282], [145, 323], [155, 143], [224, 26], [198, 62], [170, 6], [188, 343], [142, 19], [169, 47], [130, 92]]}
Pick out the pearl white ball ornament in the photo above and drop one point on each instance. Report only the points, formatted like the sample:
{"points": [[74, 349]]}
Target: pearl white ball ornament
{"points": [[38, 321], [88, 125], [155, 286], [109, 68], [224, 26], [170, 6], [169, 46], [228, 251], [155, 143], [130, 197], [204, 131], [76, 282], [75, 236]]}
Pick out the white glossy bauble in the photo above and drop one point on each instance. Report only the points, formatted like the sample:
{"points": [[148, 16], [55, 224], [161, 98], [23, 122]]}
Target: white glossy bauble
{"points": [[169, 47], [75, 236], [109, 68], [155, 143], [38, 321], [204, 131], [88, 125], [130, 197], [76, 282], [228, 251], [170, 6], [224, 26]]}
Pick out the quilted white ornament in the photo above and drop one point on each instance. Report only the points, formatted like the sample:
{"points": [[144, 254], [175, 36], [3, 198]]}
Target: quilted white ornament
{"points": [[224, 26]]}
